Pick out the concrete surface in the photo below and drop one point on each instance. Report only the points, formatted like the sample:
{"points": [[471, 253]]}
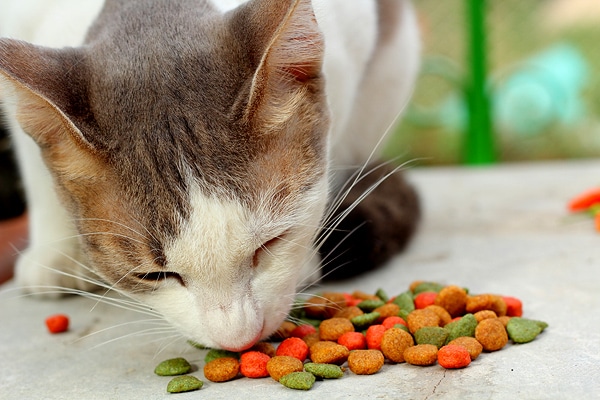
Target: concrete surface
{"points": [[502, 230]]}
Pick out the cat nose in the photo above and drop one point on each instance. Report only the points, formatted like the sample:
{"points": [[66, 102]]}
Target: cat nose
{"points": [[236, 326]]}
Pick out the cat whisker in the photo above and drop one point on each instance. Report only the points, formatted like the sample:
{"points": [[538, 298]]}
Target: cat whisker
{"points": [[121, 225]]}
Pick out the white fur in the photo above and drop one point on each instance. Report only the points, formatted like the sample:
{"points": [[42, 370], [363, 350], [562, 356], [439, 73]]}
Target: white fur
{"points": [[227, 303]]}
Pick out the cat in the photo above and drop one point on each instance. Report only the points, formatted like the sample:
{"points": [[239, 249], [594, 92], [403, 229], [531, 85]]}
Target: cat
{"points": [[197, 155]]}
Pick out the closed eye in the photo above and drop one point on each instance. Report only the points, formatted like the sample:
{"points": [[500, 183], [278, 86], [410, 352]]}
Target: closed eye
{"points": [[265, 248], [160, 276]]}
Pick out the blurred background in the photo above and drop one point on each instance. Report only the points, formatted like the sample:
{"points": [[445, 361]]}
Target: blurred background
{"points": [[542, 59]]}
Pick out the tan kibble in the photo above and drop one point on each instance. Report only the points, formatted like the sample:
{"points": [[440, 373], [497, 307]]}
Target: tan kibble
{"points": [[504, 320], [441, 312], [221, 369], [470, 343], [421, 354], [418, 319], [264, 347], [349, 312], [484, 314], [453, 299], [387, 310], [279, 366], [328, 353], [325, 306], [364, 296], [333, 328], [284, 331], [365, 362], [486, 302], [491, 334], [311, 338], [394, 342]]}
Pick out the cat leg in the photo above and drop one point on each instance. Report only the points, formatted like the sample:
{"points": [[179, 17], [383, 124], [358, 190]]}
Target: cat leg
{"points": [[53, 259]]}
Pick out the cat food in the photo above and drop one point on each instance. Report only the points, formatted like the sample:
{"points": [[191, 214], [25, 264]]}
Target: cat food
{"points": [[587, 202], [253, 364], [186, 383], [57, 323], [280, 366], [328, 353], [446, 326], [491, 334], [325, 371], [333, 328], [293, 347], [421, 354], [453, 356], [298, 380], [365, 362], [222, 369], [173, 366]]}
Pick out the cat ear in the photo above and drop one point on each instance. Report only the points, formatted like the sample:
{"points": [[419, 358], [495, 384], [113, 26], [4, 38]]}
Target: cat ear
{"points": [[46, 90], [288, 45]]}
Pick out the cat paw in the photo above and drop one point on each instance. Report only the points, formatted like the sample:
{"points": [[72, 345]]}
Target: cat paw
{"points": [[52, 272]]}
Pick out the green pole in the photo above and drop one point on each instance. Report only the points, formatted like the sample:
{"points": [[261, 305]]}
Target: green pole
{"points": [[479, 141]]}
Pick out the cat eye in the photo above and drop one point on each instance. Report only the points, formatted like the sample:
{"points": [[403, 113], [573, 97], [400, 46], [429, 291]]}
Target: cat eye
{"points": [[264, 248], [160, 276]]}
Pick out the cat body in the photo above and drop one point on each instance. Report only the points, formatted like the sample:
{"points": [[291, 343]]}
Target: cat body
{"points": [[186, 151]]}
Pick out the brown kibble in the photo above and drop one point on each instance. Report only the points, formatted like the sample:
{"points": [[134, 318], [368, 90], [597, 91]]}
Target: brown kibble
{"points": [[491, 334], [349, 312], [504, 320], [325, 306], [365, 362], [364, 296], [414, 285], [333, 328], [484, 314], [394, 342], [486, 302], [311, 338], [470, 343], [441, 312], [387, 310], [453, 299], [264, 347], [279, 366], [418, 319], [328, 353], [421, 354], [284, 331], [221, 369]]}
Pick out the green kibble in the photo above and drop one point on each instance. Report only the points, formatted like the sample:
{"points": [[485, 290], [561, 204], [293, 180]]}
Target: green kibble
{"points": [[185, 383], [463, 327], [213, 354], [327, 371], [361, 322], [298, 380], [403, 327], [174, 366], [428, 287], [523, 330], [382, 295], [370, 304], [405, 302], [431, 335]]}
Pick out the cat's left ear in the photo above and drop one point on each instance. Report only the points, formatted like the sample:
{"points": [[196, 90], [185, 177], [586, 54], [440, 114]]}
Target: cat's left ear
{"points": [[288, 47]]}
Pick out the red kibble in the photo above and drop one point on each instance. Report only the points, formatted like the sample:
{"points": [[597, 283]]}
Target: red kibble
{"points": [[454, 356], [253, 364], [374, 336], [353, 341], [351, 300], [425, 299], [293, 347], [514, 306], [57, 323], [389, 322], [302, 330]]}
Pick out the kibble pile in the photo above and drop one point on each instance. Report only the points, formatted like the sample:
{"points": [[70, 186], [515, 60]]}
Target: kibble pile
{"points": [[428, 324]]}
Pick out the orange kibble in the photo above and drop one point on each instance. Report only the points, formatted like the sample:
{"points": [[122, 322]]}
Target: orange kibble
{"points": [[221, 369], [514, 306], [328, 353], [453, 356], [374, 335], [57, 323], [387, 310], [425, 299], [279, 366], [394, 342], [353, 341], [333, 328], [418, 319], [389, 322], [365, 362], [441, 312], [302, 330], [421, 354], [253, 364], [492, 335], [293, 347], [349, 312], [453, 299], [486, 302], [470, 343], [484, 314]]}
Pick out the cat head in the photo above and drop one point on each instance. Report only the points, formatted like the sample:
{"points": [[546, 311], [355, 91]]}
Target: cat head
{"points": [[189, 147]]}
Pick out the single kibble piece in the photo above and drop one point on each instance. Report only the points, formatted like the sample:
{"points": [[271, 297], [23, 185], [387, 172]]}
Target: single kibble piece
{"points": [[484, 314], [325, 371], [374, 336], [491, 334], [486, 302], [349, 312], [389, 322], [387, 310], [328, 353], [174, 366], [365, 362], [434, 335], [404, 301], [453, 356], [465, 326], [427, 287], [382, 294], [213, 354], [298, 380], [263, 347], [253, 364], [453, 299], [222, 369], [303, 330], [324, 306], [293, 347], [333, 328], [284, 331], [311, 339], [441, 312], [421, 354], [514, 306], [470, 343], [522, 330], [364, 321], [185, 383], [57, 323], [421, 318], [279, 366], [359, 294], [394, 342], [370, 305], [425, 299], [353, 341]]}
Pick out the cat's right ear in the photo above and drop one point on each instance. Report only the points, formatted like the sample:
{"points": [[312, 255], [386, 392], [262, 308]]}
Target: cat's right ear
{"points": [[46, 91]]}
